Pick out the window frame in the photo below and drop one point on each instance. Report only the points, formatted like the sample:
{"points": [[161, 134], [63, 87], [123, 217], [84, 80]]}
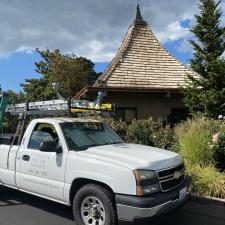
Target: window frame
{"points": [[35, 129], [127, 108]]}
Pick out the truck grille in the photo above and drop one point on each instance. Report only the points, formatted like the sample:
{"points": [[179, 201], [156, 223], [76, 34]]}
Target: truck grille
{"points": [[171, 178]]}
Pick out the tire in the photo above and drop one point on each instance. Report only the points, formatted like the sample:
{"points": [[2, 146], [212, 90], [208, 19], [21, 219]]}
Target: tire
{"points": [[94, 205]]}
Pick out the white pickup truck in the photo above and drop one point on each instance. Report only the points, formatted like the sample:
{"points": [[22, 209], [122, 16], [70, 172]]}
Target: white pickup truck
{"points": [[84, 164]]}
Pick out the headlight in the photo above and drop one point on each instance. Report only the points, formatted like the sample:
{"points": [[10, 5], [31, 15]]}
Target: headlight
{"points": [[147, 182]]}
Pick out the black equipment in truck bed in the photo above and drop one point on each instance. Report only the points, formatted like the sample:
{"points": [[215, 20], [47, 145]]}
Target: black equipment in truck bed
{"points": [[7, 139]]}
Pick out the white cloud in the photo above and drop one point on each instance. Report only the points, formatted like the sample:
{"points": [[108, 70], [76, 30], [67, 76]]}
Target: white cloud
{"points": [[91, 28], [173, 32]]}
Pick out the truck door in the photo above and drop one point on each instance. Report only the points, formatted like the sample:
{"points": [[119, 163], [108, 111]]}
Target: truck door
{"points": [[42, 172]]}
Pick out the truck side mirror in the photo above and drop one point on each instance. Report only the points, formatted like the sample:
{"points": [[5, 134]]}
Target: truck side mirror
{"points": [[50, 146], [59, 149]]}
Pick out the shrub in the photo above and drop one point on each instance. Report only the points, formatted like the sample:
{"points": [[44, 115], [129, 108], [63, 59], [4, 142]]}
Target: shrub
{"points": [[164, 138], [143, 131], [194, 138], [207, 181], [152, 133]]}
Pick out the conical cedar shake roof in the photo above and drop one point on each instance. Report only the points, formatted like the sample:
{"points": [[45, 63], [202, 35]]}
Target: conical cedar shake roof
{"points": [[143, 63]]}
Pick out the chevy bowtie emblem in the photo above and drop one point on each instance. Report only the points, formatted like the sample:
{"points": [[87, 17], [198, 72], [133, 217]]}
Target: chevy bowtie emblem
{"points": [[177, 175]]}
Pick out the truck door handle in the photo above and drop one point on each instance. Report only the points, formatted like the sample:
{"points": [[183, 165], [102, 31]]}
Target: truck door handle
{"points": [[26, 157]]}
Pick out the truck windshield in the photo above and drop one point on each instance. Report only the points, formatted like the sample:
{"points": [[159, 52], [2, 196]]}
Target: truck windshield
{"points": [[83, 135]]}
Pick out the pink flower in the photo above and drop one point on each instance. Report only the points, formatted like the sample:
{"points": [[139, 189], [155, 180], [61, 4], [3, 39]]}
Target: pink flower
{"points": [[215, 137]]}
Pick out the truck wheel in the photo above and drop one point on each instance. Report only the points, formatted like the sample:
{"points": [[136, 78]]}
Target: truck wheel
{"points": [[94, 205]]}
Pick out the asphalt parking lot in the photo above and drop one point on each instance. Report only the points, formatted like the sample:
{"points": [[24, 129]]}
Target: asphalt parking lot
{"points": [[22, 209]]}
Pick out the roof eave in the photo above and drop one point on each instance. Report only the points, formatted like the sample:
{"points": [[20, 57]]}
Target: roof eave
{"points": [[126, 89]]}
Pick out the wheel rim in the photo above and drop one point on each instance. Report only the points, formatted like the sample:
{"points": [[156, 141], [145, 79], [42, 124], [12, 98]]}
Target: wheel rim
{"points": [[92, 211]]}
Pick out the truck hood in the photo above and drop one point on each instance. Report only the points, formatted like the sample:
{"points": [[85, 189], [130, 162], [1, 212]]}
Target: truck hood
{"points": [[134, 156]]}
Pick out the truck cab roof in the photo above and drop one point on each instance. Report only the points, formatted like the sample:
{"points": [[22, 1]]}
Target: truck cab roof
{"points": [[63, 120]]}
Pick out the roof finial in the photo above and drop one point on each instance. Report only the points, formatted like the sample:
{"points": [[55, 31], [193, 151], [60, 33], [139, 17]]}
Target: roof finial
{"points": [[138, 13]]}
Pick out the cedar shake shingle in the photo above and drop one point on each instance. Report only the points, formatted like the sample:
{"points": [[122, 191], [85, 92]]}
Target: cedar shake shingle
{"points": [[142, 62]]}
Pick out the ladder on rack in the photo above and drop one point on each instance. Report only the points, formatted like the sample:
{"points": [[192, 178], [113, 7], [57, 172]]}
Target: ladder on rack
{"points": [[59, 107]]}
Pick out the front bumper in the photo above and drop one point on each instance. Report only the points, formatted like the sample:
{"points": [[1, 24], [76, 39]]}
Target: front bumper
{"points": [[132, 208]]}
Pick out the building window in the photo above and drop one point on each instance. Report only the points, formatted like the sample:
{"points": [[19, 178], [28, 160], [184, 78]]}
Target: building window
{"points": [[126, 114]]}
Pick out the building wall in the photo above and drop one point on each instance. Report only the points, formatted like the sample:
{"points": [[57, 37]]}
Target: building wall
{"points": [[156, 105]]}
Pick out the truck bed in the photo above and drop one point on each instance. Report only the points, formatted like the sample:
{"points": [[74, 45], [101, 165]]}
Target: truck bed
{"points": [[7, 173]]}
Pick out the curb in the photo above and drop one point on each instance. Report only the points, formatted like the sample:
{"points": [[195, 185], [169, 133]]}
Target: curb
{"points": [[208, 200]]}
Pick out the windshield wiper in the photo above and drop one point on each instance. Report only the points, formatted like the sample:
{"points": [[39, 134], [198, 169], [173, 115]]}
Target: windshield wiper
{"points": [[112, 143], [88, 146], [95, 145], [117, 142]]}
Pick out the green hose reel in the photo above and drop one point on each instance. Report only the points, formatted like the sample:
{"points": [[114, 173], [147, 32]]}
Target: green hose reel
{"points": [[4, 99]]}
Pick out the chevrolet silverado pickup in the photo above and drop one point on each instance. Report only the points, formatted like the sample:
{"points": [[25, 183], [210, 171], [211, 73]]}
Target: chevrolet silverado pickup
{"points": [[82, 163]]}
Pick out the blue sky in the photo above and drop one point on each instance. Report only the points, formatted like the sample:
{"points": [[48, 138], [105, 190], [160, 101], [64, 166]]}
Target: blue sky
{"points": [[89, 28]]}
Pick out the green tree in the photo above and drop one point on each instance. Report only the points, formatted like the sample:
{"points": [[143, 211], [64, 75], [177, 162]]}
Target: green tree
{"points": [[206, 93], [38, 89], [15, 98], [71, 72]]}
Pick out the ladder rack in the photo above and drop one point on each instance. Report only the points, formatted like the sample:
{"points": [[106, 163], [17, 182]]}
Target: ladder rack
{"points": [[59, 107]]}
